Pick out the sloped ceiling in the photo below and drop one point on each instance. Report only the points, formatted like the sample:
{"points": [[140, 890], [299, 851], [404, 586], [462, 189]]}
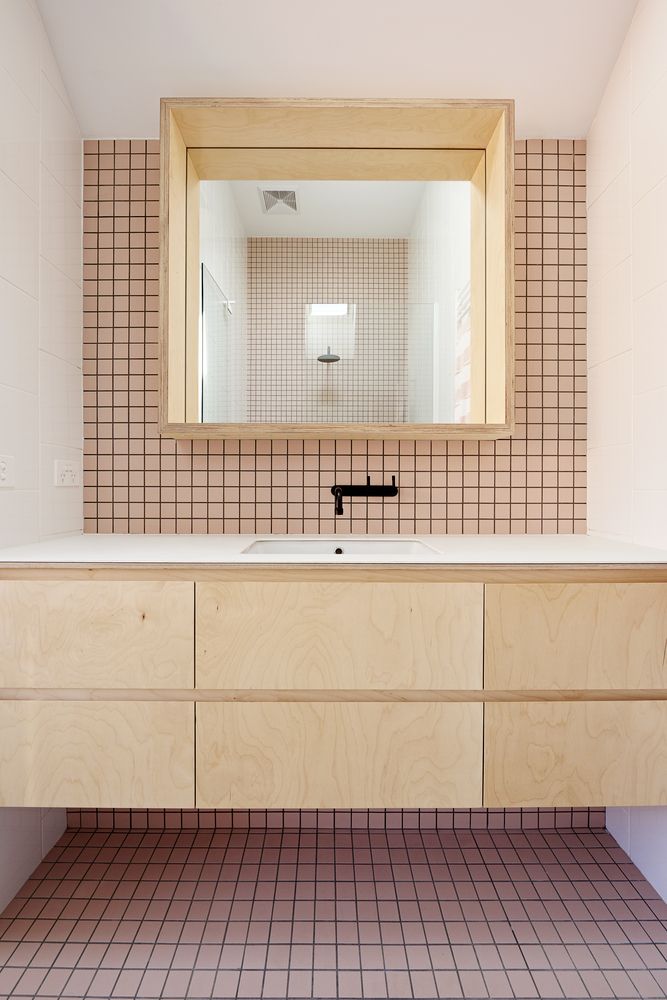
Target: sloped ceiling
{"points": [[118, 57]]}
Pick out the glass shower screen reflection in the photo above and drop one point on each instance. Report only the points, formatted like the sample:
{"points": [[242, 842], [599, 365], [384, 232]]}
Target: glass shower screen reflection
{"points": [[337, 302], [222, 356]]}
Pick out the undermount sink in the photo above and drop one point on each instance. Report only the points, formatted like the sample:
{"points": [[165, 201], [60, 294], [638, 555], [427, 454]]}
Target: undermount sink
{"points": [[339, 547]]}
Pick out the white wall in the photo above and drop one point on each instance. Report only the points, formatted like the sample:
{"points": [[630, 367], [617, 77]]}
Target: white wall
{"points": [[627, 265], [26, 835], [40, 331], [223, 249], [642, 833], [627, 334], [40, 281], [438, 268]]}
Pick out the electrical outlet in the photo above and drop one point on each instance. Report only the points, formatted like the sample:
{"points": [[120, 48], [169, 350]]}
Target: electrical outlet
{"points": [[7, 473], [66, 472]]}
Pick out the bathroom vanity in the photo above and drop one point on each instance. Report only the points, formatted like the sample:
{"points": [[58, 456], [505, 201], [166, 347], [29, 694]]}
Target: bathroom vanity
{"points": [[186, 671]]}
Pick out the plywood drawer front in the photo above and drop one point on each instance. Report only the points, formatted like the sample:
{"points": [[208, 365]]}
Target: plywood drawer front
{"points": [[338, 755], [575, 754], [570, 636], [94, 633], [98, 754], [339, 635]]}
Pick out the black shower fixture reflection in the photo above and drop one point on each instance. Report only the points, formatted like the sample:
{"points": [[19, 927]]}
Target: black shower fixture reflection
{"points": [[328, 357]]}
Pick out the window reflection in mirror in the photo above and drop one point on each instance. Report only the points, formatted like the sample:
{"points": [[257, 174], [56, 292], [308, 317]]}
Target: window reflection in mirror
{"points": [[338, 301]]}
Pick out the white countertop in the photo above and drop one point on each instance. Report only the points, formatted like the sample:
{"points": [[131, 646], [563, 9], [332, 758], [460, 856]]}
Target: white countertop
{"points": [[490, 550]]}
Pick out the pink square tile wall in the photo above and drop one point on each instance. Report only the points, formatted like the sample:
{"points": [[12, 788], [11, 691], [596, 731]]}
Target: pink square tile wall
{"points": [[336, 819], [136, 482]]}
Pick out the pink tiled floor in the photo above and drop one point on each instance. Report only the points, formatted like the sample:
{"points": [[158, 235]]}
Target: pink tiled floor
{"points": [[374, 914]]}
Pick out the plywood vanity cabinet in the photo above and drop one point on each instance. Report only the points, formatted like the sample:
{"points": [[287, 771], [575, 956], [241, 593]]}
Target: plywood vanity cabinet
{"points": [[96, 634], [576, 636], [584, 719], [576, 753], [79, 660], [339, 754], [320, 655], [339, 635], [353, 688], [131, 753]]}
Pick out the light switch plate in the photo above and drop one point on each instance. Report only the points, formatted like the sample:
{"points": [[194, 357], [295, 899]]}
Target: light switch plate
{"points": [[7, 472], [66, 472]]}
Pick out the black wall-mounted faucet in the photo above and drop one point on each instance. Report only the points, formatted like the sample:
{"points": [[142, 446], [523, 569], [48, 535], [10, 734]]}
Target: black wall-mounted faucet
{"points": [[356, 490]]}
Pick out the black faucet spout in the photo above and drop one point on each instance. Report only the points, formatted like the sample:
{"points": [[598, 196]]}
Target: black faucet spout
{"points": [[367, 490]]}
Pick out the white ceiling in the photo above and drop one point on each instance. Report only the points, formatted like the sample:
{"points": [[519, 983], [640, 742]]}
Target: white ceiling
{"points": [[359, 209], [118, 57]]}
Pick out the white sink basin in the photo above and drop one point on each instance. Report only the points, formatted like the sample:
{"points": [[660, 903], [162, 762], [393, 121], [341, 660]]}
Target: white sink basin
{"points": [[338, 547]]}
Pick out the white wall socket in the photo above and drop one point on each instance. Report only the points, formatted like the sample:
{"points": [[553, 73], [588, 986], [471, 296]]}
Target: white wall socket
{"points": [[66, 472], [7, 472]]}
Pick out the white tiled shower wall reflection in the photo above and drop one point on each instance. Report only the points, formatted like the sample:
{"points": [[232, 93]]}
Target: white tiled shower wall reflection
{"points": [[627, 342], [284, 277], [40, 332]]}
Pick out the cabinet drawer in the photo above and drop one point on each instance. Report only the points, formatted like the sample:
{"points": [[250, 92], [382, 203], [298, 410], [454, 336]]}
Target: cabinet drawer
{"points": [[94, 633], [610, 753], [339, 635], [98, 754], [338, 755], [570, 636]]}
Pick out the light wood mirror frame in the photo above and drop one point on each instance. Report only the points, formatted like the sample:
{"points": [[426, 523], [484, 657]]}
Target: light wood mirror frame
{"points": [[200, 139]]}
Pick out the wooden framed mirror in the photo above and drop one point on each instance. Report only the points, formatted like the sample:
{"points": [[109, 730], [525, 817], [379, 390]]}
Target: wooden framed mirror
{"points": [[336, 269]]}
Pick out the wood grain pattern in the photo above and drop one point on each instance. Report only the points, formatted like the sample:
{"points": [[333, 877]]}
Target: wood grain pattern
{"points": [[500, 275], [331, 123], [576, 636], [106, 754], [173, 246], [93, 633], [338, 431], [329, 695], [336, 164], [415, 573], [577, 754], [338, 756], [353, 635]]}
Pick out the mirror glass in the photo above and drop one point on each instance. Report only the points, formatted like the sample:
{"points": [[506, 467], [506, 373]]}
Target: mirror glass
{"points": [[337, 301]]}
